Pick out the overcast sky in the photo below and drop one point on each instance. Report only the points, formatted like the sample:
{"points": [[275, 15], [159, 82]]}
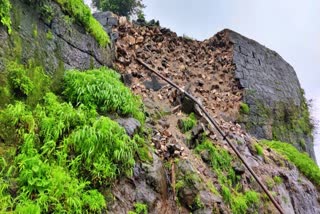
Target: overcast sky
{"points": [[290, 27]]}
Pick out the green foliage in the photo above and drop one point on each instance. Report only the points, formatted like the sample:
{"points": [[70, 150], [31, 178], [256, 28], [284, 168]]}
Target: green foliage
{"points": [[188, 123], [49, 35], [26, 83], [259, 149], [53, 156], [82, 13], [244, 108], [21, 83], [241, 202], [139, 208], [102, 89], [5, 7], [221, 163], [302, 161], [120, 7], [277, 180]]}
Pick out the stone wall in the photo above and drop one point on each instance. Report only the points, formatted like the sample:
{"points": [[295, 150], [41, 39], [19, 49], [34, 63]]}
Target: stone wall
{"points": [[277, 105], [56, 44]]}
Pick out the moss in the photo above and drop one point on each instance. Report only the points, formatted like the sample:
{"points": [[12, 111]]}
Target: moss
{"points": [[49, 35], [244, 108], [278, 180], [188, 123], [302, 161], [259, 149]]}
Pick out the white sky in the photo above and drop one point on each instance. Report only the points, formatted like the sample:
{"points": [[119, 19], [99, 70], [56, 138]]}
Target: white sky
{"points": [[290, 27]]}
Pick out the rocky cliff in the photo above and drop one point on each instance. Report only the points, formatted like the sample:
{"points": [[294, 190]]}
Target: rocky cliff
{"points": [[47, 36], [278, 109], [170, 160]]}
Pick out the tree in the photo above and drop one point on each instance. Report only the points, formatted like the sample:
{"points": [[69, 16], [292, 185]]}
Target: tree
{"points": [[120, 7]]}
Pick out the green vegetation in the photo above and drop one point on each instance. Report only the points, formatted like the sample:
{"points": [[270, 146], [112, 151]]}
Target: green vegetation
{"points": [[55, 156], [121, 7], [49, 35], [139, 208], [24, 83], [244, 108], [221, 164], [259, 149], [278, 180], [103, 90], [303, 162], [82, 13], [188, 123], [5, 7]]}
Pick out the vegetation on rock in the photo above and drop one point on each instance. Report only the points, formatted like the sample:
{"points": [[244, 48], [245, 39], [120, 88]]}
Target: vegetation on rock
{"points": [[188, 123], [82, 13], [5, 7], [221, 163], [303, 162], [102, 89], [56, 156]]}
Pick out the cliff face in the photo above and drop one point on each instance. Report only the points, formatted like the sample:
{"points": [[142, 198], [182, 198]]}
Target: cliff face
{"points": [[278, 109], [51, 38]]}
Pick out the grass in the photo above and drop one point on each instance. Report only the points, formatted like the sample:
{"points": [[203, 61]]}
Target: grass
{"points": [[82, 13], [188, 123], [5, 8], [103, 90], [300, 159]]}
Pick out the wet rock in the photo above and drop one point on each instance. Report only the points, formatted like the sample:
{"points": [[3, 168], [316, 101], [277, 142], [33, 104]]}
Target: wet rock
{"points": [[129, 124], [154, 84]]}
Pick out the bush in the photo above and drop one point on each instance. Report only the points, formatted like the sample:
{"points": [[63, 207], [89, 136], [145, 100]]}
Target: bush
{"points": [[302, 160], [103, 90]]}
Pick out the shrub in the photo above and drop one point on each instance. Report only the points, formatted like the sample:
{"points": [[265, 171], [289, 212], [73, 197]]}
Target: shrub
{"points": [[102, 89], [83, 14], [303, 162], [5, 7]]}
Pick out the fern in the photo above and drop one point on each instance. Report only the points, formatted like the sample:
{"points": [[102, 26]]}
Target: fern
{"points": [[102, 89]]}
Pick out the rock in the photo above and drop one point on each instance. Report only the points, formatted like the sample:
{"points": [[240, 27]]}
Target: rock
{"points": [[154, 84], [156, 176], [129, 124], [122, 20], [127, 79]]}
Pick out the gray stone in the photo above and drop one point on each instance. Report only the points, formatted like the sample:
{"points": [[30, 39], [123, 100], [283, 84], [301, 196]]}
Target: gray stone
{"points": [[129, 124], [154, 84]]}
